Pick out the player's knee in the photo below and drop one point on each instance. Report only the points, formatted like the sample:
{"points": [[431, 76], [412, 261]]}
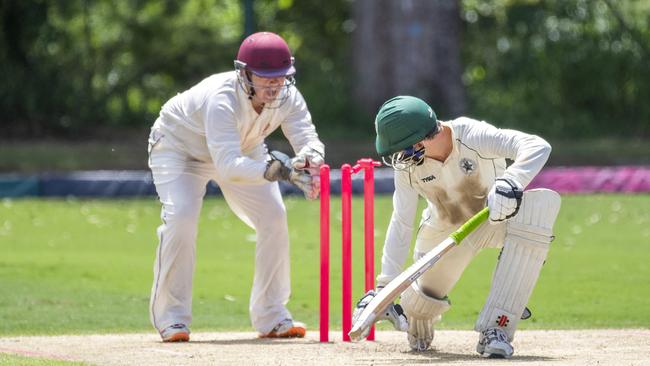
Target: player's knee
{"points": [[417, 304], [533, 225], [180, 213], [272, 216], [539, 208], [443, 282]]}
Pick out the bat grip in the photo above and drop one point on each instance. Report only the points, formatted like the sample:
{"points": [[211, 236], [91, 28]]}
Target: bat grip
{"points": [[470, 225]]}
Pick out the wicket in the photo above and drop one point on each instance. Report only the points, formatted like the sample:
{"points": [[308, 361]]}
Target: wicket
{"points": [[367, 165]]}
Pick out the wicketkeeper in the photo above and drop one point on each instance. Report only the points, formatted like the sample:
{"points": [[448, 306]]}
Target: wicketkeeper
{"points": [[459, 167], [216, 131]]}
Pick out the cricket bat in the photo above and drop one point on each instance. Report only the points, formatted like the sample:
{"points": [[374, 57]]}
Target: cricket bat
{"points": [[400, 283]]}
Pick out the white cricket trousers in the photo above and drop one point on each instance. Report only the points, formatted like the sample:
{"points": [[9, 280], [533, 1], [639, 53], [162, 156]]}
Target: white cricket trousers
{"points": [[181, 185], [440, 279]]}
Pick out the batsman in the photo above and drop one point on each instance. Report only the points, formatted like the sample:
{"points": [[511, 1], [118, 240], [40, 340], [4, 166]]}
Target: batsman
{"points": [[459, 167]]}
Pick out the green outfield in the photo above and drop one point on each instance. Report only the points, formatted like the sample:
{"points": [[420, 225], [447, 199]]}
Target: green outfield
{"points": [[13, 360], [85, 266]]}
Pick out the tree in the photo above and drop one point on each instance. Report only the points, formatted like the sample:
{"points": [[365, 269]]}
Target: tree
{"points": [[561, 68], [73, 66], [408, 47]]}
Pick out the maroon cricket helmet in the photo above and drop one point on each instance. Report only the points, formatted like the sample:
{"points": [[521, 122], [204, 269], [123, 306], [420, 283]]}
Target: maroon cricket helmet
{"points": [[266, 55]]}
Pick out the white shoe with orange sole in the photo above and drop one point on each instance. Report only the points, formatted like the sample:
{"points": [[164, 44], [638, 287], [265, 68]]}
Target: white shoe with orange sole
{"points": [[287, 329], [176, 333]]}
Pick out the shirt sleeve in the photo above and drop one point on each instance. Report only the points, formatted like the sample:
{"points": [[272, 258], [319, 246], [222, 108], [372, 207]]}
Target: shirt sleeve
{"points": [[528, 152], [224, 144], [298, 126], [400, 229]]}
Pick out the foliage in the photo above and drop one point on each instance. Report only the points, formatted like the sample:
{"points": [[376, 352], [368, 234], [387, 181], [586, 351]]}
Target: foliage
{"points": [[564, 68], [85, 266], [560, 67], [320, 38], [79, 64]]}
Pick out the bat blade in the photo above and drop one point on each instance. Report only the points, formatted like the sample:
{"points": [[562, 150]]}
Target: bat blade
{"points": [[395, 287]]}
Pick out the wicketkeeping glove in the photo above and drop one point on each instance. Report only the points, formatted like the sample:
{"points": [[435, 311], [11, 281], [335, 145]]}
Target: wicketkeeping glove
{"points": [[393, 313], [504, 199], [279, 168], [308, 158]]}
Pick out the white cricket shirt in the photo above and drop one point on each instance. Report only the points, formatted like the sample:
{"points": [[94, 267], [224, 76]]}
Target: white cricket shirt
{"points": [[214, 121]]}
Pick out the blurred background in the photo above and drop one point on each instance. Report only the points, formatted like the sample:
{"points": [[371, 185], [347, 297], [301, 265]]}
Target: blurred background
{"points": [[83, 80]]}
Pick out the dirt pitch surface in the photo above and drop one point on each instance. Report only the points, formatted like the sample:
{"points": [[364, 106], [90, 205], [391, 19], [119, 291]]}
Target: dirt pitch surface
{"points": [[576, 347]]}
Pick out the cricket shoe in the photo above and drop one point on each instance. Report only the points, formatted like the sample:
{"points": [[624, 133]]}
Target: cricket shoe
{"points": [[493, 343], [287, 329], [176, 333]]}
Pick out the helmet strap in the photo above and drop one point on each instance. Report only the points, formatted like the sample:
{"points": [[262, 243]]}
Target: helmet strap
{"points": [[251, 89]]}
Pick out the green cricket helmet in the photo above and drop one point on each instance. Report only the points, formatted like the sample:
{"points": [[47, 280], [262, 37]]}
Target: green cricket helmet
{"points": [[402, 122]]}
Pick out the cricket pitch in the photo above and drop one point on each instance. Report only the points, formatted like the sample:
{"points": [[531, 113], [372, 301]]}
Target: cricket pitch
{"points": [[533, 347]]}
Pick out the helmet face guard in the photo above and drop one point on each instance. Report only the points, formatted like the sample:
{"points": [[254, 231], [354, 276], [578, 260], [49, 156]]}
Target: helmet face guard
{"points": [[405, 159], [410, 156], [284, 91]]}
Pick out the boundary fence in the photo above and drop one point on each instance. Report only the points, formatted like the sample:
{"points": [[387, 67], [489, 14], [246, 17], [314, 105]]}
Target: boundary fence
{"points": [[112, 184]]}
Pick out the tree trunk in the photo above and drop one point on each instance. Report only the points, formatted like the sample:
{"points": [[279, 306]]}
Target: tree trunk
{"points": [[408, 47]]}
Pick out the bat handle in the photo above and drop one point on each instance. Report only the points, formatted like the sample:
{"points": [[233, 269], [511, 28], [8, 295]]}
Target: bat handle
{"points": [[470, 225]]}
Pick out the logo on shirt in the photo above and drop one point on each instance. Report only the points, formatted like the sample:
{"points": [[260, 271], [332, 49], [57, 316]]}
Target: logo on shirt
{"points": [[467, 166], [429, 178]]}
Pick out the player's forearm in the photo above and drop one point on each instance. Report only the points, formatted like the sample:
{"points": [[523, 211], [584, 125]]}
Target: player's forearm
{"points": [[301, 134], [395, 252], [399, 233], [528, 152], [299, 128], [532, 153], [233, 167]]}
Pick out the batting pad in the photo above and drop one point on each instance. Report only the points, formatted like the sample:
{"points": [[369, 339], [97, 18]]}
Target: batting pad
{"points": [[528, 238], [420, 306]]}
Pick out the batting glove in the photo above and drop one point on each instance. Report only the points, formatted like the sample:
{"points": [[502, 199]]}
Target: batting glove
{"points": [[504, 199]]}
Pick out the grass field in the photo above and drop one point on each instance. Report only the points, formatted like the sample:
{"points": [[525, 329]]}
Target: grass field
{"points": [[13, 360], [85, 266]]}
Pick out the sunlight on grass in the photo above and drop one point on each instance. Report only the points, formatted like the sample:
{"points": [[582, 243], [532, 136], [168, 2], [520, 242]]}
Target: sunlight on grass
{"points": [[85, 266]]}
